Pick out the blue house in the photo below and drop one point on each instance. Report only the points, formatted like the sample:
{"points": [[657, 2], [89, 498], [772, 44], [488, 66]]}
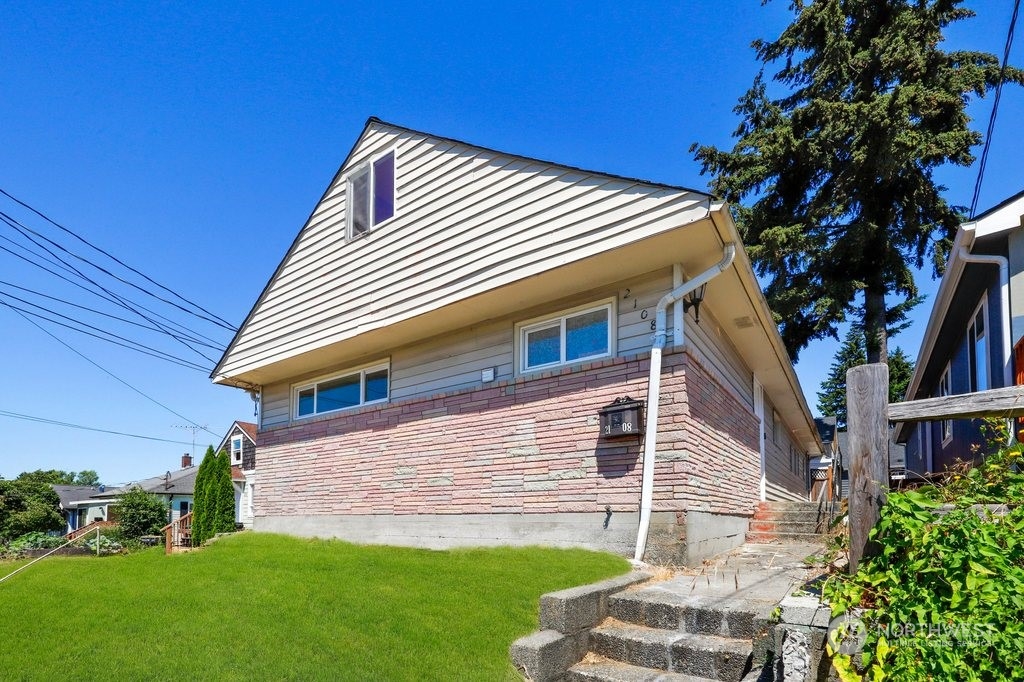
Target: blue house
{"points": [[973, 339]]}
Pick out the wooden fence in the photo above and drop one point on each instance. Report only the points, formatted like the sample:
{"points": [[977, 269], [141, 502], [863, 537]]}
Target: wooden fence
{"points": [[868, 416]]}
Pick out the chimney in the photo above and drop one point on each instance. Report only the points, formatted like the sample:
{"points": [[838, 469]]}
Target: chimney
{"points": [[186, 461]]}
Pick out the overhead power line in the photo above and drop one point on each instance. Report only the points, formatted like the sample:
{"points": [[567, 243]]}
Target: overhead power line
{"points": [[54, 422], [212, 317], [995, 110], [113, 297], [111, 374]]}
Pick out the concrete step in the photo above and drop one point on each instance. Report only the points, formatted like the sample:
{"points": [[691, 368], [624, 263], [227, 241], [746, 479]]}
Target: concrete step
{"points": [[709, 615], [786, 526], [616, 671], [710, 656], [784, 538]]}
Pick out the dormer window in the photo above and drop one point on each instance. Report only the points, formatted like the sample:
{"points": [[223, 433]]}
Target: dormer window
{"points": [[371, 195]]}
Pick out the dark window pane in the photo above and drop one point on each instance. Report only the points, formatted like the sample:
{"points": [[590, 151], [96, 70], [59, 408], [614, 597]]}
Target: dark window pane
{"points": [[338, 393], [586, 335], [542, 346], [306, 402], [376, 385], [359, 189], [383, 188]]}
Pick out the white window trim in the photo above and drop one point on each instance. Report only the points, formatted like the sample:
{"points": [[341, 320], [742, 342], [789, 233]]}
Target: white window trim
{"points": [[368, 165], [241, 448], [986, 358], [948, 374], [533, 324], [362, 370]]}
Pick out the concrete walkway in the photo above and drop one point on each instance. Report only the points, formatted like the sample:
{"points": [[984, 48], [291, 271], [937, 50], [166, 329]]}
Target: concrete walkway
{"points": [[757, 572]]}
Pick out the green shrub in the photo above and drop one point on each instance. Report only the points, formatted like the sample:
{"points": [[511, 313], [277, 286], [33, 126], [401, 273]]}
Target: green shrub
{"points": [[36, 540], [944, 599], [107, 545], [140, 513]]}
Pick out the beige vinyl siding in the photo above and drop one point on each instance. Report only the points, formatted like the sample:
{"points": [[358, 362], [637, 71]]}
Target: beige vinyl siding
{"points": [[783, 481], [467, 220], [452, 362], [455, 361], [708, 343]]}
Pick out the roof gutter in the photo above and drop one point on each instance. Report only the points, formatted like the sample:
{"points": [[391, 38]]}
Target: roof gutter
{"points": [[654, 387]]}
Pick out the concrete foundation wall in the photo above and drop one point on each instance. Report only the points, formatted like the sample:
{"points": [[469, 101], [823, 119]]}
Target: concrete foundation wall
{"points": [[444, 531]]}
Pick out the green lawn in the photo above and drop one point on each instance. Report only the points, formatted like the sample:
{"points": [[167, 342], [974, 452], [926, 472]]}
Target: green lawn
{"points": [[258, 606]]}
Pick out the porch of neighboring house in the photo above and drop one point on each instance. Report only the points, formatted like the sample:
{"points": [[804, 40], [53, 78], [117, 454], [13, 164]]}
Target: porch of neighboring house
{"points": [[178, 534]]}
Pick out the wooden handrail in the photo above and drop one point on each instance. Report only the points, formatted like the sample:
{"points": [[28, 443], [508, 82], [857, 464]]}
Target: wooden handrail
{"points": [[79, 532], [178, 533]]}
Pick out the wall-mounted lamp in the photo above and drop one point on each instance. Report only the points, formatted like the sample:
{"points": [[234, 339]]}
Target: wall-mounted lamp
{"points": [[693, 300]]}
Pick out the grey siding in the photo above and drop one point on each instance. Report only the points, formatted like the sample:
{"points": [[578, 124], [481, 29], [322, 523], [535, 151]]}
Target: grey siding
{"points": [[785, 462]]}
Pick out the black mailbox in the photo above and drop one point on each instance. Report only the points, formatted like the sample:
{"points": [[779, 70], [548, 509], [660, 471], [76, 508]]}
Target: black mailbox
{"points": [[624, 417]]}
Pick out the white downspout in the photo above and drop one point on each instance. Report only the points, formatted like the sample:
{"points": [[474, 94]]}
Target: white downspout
{"points": [[1004, 302], [654, 388]]}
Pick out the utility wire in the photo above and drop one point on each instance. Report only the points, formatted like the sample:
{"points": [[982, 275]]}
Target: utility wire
{"points": [[112, 375], [995, 109], [227, 325], [122, 341], [120, 300], [95, 311], [190, 333], [54, 422], [110, 274]]}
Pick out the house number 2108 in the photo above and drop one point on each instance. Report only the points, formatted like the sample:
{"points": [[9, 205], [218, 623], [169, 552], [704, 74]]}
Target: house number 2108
{"points": [[625, 427]]}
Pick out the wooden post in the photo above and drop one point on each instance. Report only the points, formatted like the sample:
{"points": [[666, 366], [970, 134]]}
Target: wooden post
{"points": [[867, 420]]}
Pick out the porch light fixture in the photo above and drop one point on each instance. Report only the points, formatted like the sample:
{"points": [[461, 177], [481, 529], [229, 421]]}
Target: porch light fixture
{"points": [[693, 300]]}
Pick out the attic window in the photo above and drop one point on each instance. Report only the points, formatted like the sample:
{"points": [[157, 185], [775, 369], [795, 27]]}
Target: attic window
{"points": [[236, 450], [371, 195]]}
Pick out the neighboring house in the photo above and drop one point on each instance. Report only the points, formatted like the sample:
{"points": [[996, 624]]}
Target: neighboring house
{"points": [[240, 444], [174, 488], [825, 469], [897, 462], [973, 333], [78, 507], [434, 351]]}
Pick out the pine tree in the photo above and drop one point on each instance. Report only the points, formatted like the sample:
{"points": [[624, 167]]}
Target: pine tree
{"points": [[832, 396], [839, 166]]}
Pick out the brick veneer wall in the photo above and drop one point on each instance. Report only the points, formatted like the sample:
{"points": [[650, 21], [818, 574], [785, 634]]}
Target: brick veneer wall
{"points": [[524, 446]]}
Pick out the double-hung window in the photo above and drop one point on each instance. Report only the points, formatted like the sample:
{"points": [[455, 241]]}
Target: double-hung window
{"points": [[977, 341], [236, 450], [571, 337], [371, 195], [342, 391]]}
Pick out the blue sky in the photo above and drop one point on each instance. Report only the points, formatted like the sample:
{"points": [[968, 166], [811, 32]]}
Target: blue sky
{"points": [[192, 140]]}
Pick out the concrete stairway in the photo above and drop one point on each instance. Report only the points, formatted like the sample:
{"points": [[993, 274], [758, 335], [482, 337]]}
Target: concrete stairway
{"points": [[789, 522], [657, 634]]}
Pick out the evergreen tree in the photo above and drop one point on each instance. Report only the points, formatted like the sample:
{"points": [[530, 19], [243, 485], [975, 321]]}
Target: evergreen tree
{"points": [[223, 496], [201, 511], [840, 164], [832, 396]]}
